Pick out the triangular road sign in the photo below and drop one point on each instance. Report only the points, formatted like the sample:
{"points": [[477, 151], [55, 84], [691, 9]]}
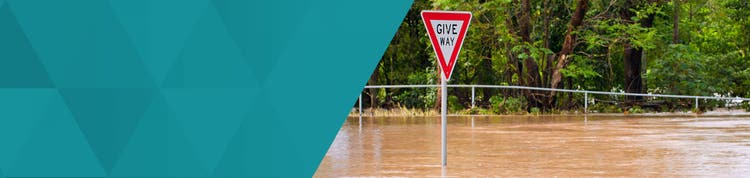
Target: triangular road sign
{"points": [[447, 30]]}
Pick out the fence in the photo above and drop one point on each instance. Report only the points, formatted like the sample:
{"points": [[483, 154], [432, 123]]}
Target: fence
{"points": [[585, 93]]}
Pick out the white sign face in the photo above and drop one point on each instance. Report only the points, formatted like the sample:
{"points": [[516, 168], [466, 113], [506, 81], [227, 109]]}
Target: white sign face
{"points": [[447, 32]]}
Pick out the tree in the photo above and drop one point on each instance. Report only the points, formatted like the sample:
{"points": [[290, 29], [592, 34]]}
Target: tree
{"points": [[676, 22], [633, 55], [568, 45], [632, 46]]}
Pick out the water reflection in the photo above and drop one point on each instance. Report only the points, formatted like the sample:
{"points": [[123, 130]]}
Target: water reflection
{"points": [[552, 146]]}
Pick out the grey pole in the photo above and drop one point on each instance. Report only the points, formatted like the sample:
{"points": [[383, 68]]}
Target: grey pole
{"points": [[360, 112], [472, 97], [360, 105], [585, 102], [444, 121], [696, 102]]}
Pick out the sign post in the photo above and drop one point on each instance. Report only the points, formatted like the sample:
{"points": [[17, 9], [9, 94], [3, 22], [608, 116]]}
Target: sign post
{"points": [[444, 122], [447, 30]]}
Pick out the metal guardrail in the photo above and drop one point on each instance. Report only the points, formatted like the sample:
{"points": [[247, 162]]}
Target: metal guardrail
{"points": [[585, 92]]}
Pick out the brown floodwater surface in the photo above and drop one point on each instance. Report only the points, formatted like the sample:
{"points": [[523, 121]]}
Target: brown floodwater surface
{"points": [[567, 146]]}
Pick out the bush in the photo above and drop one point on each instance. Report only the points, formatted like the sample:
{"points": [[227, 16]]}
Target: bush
{"points": [[507, 105], [453, 104], [664, 108], [495, 102], [422, 98], [612, 109], [605, 108], [535, 110], [746, 106], [597, 107], [696, 110], [635, 110]]}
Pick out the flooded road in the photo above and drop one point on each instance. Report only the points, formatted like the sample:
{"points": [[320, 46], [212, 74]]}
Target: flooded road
{"points": [[544, 145]]}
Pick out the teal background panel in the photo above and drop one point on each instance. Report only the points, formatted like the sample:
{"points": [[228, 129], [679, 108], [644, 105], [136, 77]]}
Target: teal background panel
{"points": [[182, 88]]}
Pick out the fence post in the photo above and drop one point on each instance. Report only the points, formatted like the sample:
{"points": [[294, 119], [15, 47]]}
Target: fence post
{"points": [[360, 104], [696, 103], [472, 97], [585, 102]]}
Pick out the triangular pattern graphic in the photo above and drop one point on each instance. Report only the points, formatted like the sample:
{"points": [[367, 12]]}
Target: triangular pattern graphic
{"points": [[20, 67], [56, 146], [210, 59], [261, 47], [91, 51], [237, 160], [20, 111], [158, 148], [107, 117], [218, 110], [159, 35], [124, 47]]}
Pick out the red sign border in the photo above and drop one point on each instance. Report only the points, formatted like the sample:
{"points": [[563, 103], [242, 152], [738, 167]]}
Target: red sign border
{"points": [[446, 15]]}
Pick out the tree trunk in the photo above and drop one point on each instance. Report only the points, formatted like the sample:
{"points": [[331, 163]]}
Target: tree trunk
{"points": [[568, 45], [548, 58], [632, 66], [388, 81], [532, 68], [632, 58], [524, 23], [373, 91], [487, 70], [486, 75], [519, 63], [512, 59], [676, 22]]}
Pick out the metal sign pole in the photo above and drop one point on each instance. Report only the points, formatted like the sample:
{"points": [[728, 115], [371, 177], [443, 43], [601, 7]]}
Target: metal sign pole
{"points": [[446, 25], [444, 120]]}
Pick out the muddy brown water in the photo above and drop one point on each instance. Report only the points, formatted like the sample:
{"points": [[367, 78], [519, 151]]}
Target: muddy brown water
{"points": [[571, 146]]}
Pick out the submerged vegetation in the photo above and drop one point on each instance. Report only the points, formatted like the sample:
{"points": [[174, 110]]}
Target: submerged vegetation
{"points": [[696, 47]]}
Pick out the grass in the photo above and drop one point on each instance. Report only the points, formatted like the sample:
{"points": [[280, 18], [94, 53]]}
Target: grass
{"points": [[409, 112]]}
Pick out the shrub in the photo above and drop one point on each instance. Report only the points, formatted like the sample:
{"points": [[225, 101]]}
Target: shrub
{"points": [[507, 105], [453, 104], [635, 110], [535, 110], [605, 108]]}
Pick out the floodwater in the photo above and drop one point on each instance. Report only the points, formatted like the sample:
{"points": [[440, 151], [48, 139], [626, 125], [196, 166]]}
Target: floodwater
{"points": [[565, 146]]}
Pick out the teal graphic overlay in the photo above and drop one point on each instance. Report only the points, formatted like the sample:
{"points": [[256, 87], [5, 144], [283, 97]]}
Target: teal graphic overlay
{"points": [[181, 88]]}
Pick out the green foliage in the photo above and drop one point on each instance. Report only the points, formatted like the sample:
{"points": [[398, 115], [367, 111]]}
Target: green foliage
{"points": [[534, 51], [605, 108], [696, 110], [453, 104], [680, 71], [495, 102], [712, 55], [581, 68], [535, 110], [635, 110], [422, 98], [745, 106], [508, 105]]}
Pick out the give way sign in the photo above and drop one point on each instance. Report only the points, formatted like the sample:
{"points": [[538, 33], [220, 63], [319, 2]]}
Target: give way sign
{"points": [[447, 30]]}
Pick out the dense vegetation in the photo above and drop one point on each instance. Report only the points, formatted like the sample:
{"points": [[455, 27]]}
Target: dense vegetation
{"points": [[686, 47]]}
